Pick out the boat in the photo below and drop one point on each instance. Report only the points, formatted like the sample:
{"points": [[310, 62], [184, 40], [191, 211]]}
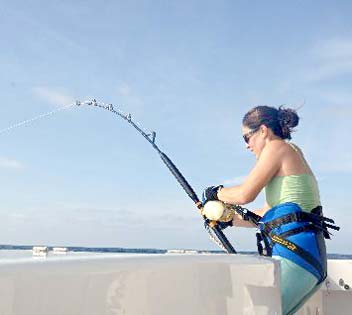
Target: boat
{"points": [[158, 284]]}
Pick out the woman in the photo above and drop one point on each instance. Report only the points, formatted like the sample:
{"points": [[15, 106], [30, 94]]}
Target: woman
{"points": [[295, 236]]}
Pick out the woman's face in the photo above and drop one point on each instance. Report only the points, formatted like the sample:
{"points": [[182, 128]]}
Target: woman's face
{"points": [[255, 140]]}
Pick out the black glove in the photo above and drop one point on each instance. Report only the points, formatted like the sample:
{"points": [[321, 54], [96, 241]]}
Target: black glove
{"points": [[224, 225], [211, 193]]}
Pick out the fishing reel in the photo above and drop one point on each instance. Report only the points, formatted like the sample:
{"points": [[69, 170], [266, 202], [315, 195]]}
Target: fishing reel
{"points": [[218, 211]]}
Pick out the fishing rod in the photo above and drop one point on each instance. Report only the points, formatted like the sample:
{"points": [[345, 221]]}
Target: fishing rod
{"points": [[212, 227]]}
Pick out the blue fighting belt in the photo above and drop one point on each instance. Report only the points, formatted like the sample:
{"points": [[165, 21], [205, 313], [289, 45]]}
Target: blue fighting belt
{"points": [[291, 233]]}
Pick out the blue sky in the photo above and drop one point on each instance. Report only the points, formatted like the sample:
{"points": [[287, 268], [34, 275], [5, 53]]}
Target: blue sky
{"points": [[188, 70]]}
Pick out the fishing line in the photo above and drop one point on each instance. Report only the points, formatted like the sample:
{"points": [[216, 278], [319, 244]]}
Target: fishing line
{"points": [[27, 121]]}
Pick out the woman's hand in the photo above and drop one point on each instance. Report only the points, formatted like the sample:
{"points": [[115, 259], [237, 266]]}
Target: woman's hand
{"points": [[211, 193]]}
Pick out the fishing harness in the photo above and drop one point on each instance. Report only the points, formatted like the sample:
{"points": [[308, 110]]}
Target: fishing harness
{"points": [[270, 235]]}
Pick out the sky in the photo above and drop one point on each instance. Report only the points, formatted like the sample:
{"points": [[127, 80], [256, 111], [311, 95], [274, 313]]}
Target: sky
{"points": [[189, 70]]}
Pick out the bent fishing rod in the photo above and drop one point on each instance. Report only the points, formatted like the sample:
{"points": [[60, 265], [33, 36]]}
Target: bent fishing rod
{"points": [[212, 227]]}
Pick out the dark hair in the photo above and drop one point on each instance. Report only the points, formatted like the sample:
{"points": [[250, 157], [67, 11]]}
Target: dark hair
{"points": [[280, 120]]}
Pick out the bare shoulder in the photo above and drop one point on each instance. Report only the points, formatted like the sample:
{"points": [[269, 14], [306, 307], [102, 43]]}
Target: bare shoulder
{"points": [[293, 161], [282, 159], [276, 147]]}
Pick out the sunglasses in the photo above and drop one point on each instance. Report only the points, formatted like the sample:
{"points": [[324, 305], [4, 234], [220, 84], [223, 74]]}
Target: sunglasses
{"points": [[247, 136]]}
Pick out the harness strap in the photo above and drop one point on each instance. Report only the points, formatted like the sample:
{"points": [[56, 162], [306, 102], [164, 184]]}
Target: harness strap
{"points": [[315, 218], [309, 227], [298, 230], [265, 250], [334, 227], [259, 243], [299, 251]]}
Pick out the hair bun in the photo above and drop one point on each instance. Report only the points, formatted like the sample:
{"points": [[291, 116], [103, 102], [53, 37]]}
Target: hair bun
{"points": [[288, 119]]}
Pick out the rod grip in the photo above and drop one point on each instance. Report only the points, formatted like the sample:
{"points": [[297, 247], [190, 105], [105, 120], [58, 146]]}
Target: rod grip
{"points": [[179, 177]]}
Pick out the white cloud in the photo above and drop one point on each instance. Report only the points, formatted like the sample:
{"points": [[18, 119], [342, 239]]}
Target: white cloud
{"points": [[10, 163], [18, 216], [334, 49], [339, 102], [330, 58], [342, 112], [127, 95], [342, 162], [53, 96], [234, 181], [124, 89], [329, 69], [325, 138]]}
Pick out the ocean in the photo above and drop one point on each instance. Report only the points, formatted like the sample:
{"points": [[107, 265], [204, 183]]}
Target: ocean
{"points": [[123, 250]]}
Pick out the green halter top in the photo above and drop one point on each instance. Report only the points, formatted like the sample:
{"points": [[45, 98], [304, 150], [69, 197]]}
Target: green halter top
{"points": [[301, 189]]}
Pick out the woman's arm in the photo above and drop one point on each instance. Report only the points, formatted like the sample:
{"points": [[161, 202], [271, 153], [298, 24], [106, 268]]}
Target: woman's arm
{"points": [[239, 222], [265, 169], [263, 210]]}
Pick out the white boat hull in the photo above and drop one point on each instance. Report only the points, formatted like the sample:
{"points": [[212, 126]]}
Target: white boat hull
{"points": [[201, 284]]}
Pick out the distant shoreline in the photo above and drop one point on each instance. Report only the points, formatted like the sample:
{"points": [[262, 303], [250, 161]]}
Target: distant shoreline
{"points": [[144, 250]]}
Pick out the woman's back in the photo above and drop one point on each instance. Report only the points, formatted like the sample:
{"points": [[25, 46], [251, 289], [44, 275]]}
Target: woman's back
{"points": [[301, 189], [294, 181]]}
